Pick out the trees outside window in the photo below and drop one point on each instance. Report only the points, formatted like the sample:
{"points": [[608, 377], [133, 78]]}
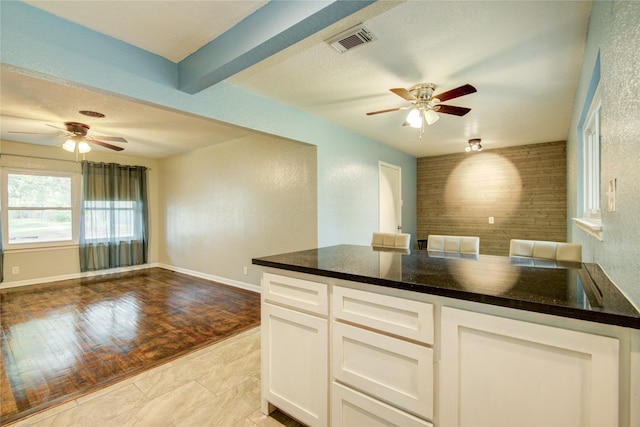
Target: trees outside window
{"points": [[39, 208]]}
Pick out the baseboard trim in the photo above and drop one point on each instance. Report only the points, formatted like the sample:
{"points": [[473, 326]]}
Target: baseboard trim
{"points": [[225, 281], [40, 280]]}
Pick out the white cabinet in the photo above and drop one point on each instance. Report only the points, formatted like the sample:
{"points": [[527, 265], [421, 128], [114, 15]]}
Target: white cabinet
{"points": [[497, 371], [295, 348], [345, 354], [381, 349]]}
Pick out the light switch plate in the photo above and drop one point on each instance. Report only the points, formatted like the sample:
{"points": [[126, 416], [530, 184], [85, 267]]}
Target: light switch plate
{"points": [[612, 195]]}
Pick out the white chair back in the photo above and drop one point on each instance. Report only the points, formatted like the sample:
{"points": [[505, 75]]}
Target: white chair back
{"points": [[391, 240], [542, 249], [457, 244]]}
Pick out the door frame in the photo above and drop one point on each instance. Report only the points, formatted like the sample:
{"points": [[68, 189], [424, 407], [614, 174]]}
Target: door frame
{"points": [[398, 201]]}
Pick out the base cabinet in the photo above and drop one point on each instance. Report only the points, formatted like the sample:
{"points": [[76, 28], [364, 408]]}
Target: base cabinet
{"points": [[295, 350], [503, 372], [350, 356]]}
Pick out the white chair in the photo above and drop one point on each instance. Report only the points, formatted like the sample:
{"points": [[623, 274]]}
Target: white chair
{"points": [[545, 250], [456, 244], [391, 240], [569, 252]]}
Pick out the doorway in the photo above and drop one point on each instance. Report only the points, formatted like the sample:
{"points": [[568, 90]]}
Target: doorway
{"points": [[390, 198]]}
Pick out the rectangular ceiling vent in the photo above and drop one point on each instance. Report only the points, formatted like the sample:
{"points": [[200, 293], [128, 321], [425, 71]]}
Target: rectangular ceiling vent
{"points": [[351, 38]]}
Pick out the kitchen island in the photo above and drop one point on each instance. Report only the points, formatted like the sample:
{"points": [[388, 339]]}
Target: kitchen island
{"points": [[427, 339]]}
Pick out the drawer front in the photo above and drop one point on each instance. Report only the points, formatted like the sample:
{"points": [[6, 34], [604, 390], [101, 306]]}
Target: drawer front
{"points": [[354, 409], [300, 294], [398, 316], [392, 370]]}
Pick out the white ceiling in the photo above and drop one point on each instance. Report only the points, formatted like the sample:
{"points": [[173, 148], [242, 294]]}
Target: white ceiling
{"points": [[522, 56], [33, 105]]}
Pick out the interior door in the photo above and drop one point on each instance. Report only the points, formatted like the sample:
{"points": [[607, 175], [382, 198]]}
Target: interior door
{"points": [[390, 198]]}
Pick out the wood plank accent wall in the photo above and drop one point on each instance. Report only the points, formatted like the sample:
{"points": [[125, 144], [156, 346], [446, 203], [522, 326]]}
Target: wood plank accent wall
{"points": [[524, 188]]}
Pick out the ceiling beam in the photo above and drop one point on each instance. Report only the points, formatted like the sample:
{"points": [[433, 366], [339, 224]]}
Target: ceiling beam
{"points": [[272, 28]]}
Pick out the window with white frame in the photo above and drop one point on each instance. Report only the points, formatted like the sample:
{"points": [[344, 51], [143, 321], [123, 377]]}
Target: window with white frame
{"points": [[41, 208], [110, 219], [591, 160]]}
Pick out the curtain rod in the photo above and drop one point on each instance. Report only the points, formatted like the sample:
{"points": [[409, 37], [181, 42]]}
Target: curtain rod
{"points": [[47, 158]]}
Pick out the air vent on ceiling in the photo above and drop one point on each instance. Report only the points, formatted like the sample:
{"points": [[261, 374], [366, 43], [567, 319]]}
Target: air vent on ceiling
{"points": [[351, 38]]}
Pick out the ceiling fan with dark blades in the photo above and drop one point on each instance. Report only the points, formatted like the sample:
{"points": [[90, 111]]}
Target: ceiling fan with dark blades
{"points": [[425, 105], [77, 138]]}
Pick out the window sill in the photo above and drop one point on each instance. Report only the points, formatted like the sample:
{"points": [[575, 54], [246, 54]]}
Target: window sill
{"points": [[40, 248], [592, 227]]}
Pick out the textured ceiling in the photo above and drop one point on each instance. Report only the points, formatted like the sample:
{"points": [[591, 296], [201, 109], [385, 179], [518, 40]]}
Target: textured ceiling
{"points": [[523, 57], [171, 29], [151, 131]]}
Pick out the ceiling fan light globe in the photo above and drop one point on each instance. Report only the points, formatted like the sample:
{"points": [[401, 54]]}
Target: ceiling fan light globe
{"points": [[431, 117], [414, 118], [69, 145], [467, 148], [83, 147]]}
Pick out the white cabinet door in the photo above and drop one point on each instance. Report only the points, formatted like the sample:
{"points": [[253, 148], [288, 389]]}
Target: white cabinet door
{"points": [[295, 364], [496, 371], [353, 409]]}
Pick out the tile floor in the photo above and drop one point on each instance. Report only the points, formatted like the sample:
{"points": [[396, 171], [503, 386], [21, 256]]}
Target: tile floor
{"points": [[216, 386]]}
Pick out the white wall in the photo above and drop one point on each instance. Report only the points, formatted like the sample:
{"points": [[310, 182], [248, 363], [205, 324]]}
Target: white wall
{"points": [[614, 31], [223, 205]]}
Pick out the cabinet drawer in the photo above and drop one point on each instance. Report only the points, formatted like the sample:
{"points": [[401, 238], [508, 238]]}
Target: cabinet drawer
{"points": [[392, 370], [354, 409], [300, 294], [406, 318]]}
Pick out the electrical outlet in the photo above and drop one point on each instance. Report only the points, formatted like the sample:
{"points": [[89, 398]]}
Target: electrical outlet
{"points": [[491, 220], [15, 270], [245, 270]]}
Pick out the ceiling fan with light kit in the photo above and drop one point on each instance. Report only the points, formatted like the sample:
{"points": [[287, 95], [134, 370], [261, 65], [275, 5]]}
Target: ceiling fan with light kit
{"points": [[77, 140], [425, 106]]}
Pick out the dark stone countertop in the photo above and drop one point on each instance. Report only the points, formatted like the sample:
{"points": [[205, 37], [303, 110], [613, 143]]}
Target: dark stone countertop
{"points": [[574, 290]]}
